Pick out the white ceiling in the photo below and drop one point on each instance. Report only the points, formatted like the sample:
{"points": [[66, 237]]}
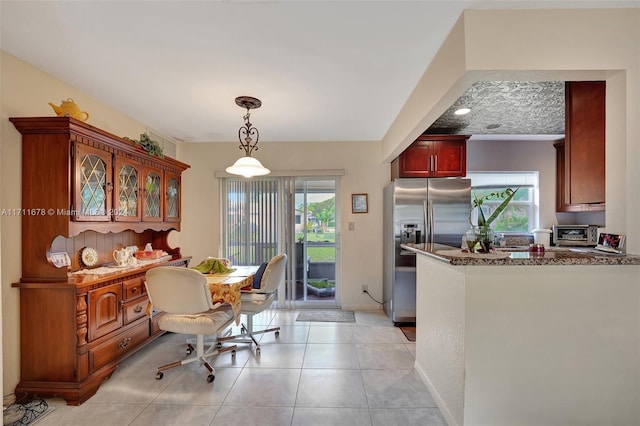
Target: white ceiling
{"points": [[325, 71]]}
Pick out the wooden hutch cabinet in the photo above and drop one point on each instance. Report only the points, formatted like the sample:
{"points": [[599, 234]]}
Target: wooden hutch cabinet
{"points": [[89, 188], [432, 156]]}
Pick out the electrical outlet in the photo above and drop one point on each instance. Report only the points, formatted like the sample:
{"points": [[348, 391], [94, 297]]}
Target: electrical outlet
{"points": [[365, 288]]}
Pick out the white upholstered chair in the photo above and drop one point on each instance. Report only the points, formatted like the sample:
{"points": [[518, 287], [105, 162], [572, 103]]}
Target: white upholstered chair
{"points": [[183, 295], [257, 300]]}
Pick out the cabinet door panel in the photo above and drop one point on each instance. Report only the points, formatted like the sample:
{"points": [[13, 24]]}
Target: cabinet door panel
{"points": [[92, 184], [152, 201], [415, 161], [585, 142], [105, 310], [127, 190], [173, 197], [449, 158]]}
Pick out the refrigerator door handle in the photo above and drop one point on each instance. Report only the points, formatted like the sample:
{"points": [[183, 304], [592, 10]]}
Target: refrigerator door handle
{"points": [[427, 206]]}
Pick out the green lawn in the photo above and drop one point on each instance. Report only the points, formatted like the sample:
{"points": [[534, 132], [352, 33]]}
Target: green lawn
{"points": [[322, 254]]}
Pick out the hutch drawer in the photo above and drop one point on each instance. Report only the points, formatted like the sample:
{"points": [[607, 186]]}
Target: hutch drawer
{"points": [[135, 309], [134, 287], [117, 346]]}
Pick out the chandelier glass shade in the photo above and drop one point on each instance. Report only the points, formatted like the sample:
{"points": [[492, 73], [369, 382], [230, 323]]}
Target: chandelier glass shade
{"points": [[248, 166]]}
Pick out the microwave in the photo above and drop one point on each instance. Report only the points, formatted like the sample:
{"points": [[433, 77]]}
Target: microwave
{"points": [[575, 235]]}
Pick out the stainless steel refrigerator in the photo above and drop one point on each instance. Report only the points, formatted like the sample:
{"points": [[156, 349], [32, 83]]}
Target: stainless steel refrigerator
{"points": [[418, 211]]}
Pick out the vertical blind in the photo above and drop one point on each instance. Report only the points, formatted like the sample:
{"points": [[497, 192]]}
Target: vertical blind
{"points": [[251, 220]]}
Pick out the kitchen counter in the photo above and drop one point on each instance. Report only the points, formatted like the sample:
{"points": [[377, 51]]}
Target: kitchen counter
{"points": [[520, 256], [552, 339]]}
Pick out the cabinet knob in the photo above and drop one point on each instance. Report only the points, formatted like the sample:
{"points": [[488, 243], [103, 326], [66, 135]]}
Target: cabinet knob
{"points": [[137, 309]]}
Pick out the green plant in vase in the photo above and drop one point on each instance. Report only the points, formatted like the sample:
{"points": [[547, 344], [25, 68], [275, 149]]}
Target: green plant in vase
{"points": [[480, 236]]}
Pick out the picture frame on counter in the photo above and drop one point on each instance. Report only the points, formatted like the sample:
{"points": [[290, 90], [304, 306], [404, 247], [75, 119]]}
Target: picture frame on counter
{"points": [[359, 203]]}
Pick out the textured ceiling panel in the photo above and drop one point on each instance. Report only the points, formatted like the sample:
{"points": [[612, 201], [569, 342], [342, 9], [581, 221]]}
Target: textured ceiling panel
{"points": [[506, 107]]}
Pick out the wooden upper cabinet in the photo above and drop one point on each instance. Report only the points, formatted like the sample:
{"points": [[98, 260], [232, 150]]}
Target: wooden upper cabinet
{"points": [[92, 184], [432, 156], [79, 178], [584, 173]]}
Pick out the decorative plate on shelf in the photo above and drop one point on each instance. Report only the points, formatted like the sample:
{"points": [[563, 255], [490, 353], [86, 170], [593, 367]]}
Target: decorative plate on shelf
{"points": [[89, 256]]}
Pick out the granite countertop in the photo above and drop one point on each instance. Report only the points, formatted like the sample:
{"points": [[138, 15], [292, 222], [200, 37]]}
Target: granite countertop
{"points": [[511, 256]]}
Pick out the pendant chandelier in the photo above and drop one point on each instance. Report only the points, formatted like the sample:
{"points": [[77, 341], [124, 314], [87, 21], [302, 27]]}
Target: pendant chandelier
{"points": [[248, 166]]}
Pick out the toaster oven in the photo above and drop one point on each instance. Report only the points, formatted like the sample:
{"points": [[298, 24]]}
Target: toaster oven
{"points": [[575, 235]]}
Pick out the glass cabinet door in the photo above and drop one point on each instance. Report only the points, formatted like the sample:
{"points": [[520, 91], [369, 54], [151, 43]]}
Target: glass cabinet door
{"points": [[93, 184], [172, 207], [127, 187], [152, 202]]}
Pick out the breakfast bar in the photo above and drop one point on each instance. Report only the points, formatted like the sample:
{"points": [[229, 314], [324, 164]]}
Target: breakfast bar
{"points": [[514, 337]]}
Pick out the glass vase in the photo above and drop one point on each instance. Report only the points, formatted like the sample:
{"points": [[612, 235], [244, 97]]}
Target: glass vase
{"points": [[479, 239]]}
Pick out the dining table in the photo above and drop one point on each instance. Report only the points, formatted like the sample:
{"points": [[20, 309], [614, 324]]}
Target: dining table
{"points": [[226, 287]]}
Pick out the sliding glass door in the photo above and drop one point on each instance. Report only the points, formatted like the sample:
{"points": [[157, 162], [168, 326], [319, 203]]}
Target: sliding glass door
{"points": [[295, 215], [315, 247]]}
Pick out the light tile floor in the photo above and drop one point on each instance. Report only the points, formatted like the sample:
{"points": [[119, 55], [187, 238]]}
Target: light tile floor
{"points": [[315, 373]]}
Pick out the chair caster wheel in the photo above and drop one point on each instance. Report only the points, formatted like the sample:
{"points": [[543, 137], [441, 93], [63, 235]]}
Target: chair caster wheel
{"points": [[189, 351], [219, 345], [233, 355], [277, 334], [159, 375], [257, 351], [210, 378]]}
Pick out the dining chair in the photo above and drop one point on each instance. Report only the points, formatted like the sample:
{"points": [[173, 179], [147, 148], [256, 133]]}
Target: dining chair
{"points": [[257, 300], [184, 296]]}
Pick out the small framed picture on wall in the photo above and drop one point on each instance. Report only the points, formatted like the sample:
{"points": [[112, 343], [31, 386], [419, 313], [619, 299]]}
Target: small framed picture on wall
{"points": [[359, 203]]}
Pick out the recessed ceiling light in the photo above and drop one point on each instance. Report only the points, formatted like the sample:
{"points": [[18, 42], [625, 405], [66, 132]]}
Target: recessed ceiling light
{"points": [[462, 111]]}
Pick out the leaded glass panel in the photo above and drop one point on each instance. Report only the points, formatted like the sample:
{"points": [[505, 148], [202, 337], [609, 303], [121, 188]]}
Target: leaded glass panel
{"points": [[93, 186], [173, 198], [152, 197], [128, 191]]}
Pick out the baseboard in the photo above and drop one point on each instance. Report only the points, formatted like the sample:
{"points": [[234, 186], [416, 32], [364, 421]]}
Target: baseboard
{"points": [[444, 410], [368, 307]]}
